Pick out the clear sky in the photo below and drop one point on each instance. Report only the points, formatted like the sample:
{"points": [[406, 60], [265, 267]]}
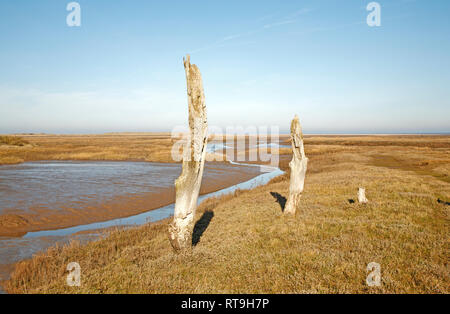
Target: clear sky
{"points": [[262, 62]]}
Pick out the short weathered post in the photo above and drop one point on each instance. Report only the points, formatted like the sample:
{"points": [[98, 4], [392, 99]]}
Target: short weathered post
{"points": [[298, 167], [187, 186], [362, 196]]}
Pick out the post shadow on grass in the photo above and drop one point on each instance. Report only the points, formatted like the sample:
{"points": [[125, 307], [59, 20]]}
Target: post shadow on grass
{"points": [[443, 202], [280, 199], [201, 225]]}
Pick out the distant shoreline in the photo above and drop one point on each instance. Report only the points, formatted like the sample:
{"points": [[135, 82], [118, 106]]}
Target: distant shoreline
{"points": [[281, 134]]}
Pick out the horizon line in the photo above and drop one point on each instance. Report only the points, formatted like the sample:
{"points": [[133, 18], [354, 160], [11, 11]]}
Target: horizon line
{"points": [[221, 134]]}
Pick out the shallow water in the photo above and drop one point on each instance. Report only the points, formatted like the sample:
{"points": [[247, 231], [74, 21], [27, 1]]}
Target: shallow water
{"points": [[156, 214], [56, 185], [219, 146]]}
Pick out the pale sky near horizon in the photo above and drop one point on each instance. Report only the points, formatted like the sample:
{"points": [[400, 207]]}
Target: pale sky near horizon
{"points": [[262, 62]]}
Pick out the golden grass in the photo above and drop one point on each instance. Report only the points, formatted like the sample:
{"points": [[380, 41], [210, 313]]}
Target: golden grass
{"points": [[13, 141], [145, 147], [154, 147], [246, 245]]}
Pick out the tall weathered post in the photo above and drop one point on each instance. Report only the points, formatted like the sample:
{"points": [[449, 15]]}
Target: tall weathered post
{"points": [[298, 167], [187, 186]]}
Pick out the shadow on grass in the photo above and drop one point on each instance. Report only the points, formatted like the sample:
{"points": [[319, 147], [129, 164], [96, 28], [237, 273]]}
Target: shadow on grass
{"points": [[201, 225], [280, 199]]}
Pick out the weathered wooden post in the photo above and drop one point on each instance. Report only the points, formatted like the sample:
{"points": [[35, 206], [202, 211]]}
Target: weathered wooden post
{"points": [[298, 167], [187, 186]]}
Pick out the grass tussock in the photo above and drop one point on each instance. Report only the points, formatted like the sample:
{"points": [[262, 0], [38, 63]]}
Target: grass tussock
{"points": [[244, 244]]}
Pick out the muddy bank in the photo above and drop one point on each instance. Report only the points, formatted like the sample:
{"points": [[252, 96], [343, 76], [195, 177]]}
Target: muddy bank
{"points": [[49, 212]]}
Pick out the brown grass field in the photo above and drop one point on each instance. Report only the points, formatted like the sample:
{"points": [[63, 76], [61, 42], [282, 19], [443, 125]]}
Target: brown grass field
{"points": [[140, 147], [244, 243]]}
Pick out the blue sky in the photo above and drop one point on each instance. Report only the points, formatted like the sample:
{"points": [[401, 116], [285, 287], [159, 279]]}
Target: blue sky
{"points": [[261, 61]]}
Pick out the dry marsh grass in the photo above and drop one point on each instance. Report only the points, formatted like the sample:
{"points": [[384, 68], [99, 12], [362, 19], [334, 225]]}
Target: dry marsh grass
{"points": [[244, 243], [155, 147], [13, 141], [144, 147]]}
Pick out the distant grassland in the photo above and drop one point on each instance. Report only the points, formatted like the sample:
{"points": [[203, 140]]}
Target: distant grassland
{"points": [[151, 147], [9, 144], [156, 147], [244, 244], [13, 141]]}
